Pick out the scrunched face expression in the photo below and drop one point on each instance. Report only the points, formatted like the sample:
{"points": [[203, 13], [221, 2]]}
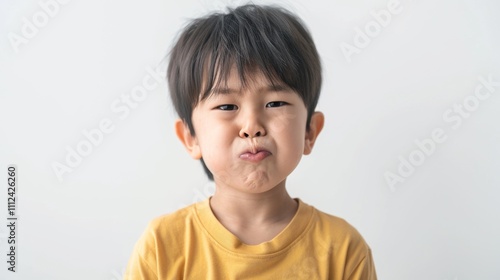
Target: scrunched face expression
{"points": [[250, 137]]}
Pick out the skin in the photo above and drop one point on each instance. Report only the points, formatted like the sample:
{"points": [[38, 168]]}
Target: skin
{"points": [[251, 200]]}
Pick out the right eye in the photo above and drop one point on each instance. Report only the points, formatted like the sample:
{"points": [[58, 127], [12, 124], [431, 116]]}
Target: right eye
{"points": [[226, 107]]}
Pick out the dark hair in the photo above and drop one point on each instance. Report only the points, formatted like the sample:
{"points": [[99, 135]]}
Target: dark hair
{"points": [[250, 37]]}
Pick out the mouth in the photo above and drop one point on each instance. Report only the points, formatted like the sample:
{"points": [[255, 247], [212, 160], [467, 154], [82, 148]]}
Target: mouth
{"points": [[255, 154]]}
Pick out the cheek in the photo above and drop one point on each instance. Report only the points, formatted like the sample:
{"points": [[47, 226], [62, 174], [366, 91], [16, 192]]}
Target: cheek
{"points": [[283, 121], [290, 121], [289, 131], [215, 144], [295, 145]]}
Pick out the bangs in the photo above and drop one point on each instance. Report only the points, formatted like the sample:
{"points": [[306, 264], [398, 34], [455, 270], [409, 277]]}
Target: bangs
{"points": [[216, 77], [248, 45]]}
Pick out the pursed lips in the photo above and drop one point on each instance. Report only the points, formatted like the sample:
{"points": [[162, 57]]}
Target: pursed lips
{"points": [[255, 154]]}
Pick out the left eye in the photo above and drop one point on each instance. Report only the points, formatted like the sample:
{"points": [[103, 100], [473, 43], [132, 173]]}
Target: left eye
{"points": [[276, 104], [227, 107]]}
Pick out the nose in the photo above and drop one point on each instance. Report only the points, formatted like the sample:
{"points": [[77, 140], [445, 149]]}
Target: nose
{"points": [[252, 128]]}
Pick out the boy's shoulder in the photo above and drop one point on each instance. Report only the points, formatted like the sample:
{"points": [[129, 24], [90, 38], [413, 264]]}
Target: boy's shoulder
{"points": [[337, 225], [176, 216], [173, 222], [168, 228], [330, 228]]}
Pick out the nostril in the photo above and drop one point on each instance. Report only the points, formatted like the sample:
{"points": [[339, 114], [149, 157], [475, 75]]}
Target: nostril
{"points": [[257, 134]]}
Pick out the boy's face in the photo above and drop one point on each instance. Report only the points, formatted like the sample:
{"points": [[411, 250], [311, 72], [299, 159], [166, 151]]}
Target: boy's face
{"points": [[251, 138]]}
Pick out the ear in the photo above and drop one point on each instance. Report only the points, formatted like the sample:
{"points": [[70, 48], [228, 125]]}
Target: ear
{"points": [[189, 141], [315, 127]]}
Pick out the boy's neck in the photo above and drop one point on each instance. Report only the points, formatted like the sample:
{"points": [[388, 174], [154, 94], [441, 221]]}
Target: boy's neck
{"points": [[254, 218]]}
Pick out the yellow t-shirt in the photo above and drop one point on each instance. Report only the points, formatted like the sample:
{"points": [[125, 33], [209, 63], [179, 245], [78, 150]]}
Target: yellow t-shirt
{"points": [[192, 244]]}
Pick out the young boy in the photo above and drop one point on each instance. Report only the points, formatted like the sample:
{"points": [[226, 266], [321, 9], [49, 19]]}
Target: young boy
{"points": [[245, 85]]}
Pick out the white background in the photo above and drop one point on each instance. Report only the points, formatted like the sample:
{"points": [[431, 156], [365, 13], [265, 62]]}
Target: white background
{"points": [[441, 223]]}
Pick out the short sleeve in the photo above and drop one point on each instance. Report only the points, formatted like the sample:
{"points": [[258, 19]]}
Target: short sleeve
{"points": [[365, 270], [141, 265], [138, 269]]}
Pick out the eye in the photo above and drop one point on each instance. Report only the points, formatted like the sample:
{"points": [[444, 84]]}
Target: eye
{"points": [[226, 107], [276, 104]]}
